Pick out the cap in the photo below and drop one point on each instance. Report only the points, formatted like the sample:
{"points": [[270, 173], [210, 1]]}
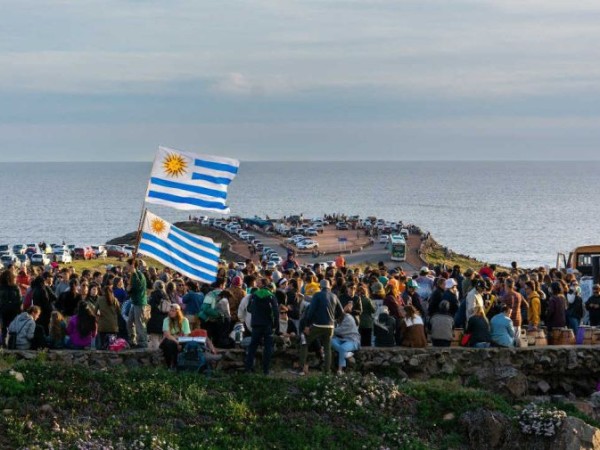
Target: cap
{"points": [[236, 281], [450, 283], [481, 285], [410, 283], [424, 270], [325, 284]]}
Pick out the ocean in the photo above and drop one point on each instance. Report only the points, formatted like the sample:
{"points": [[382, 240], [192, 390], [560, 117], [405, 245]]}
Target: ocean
{"points": [[495, 211]]}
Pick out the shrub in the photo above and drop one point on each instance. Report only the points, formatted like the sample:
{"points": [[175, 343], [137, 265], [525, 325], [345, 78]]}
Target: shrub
{"points": [[540, 420]]}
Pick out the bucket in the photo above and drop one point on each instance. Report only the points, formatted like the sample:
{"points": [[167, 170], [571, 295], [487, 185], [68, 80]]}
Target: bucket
{"points": [[568, 337], [595, 336], [456, 337], [584, 335], [556, 336], [523, 338], [538, 337]]}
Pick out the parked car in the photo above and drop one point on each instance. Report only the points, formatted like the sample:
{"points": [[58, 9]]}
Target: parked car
{"points": [[271, 265], [129, 249], [19, 249], [85, 253], [9, 260], [23, 261], [39, 259], [4, 248], [342, 226], [99, 251], [276, 259], [63, 257], [116, 251], [308, 244], [311, 232], [384, 239]]}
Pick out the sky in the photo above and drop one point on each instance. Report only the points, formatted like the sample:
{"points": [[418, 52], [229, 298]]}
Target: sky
{"points": [[86, 80]]}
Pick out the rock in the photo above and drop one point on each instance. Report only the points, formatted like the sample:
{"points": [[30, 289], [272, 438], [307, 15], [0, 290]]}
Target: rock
{"points": [[486, 429], [46, 409], [567, 387], [504, 379], [575, 434], [595, 399], [414, 362], [448, 417], [543, 386], [586, 408], [7, 412]]}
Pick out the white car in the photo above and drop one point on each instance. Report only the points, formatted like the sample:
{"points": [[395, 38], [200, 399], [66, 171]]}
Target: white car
{"points": [[311, 232], [63, 257], [9, 260], [271, 265], [276, 259], [99, 251], [39, 259], [293, 239], [306, 245], [384, 239]]}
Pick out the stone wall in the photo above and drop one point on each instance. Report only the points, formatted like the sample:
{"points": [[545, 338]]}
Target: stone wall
{"points": [[517, 372]]}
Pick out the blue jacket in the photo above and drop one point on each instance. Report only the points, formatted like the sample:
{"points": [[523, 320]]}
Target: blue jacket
{"points": [[502, 331], [192, 301], [323, 309]]}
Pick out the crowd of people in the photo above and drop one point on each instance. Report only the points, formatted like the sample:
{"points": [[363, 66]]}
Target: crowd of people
{"points": [[311, 308]]}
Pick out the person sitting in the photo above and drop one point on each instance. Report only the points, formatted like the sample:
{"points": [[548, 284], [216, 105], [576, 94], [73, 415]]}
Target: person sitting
{"points": [[413, 329], [57, 337], [26, 329], [479, 328], [502, 330], [174, 325], [287, 329], [346, 338], [384, 328], [441, 326], [82, 328]]}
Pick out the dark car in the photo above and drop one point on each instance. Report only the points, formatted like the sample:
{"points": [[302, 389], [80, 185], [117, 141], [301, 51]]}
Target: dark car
{"points": [[85, 253], [342, 226]]}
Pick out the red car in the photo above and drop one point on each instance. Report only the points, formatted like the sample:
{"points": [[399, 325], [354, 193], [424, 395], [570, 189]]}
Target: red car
{"points": [[86, 253], [116, 251]]}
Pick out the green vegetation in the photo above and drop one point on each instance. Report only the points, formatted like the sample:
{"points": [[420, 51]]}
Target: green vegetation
{"points": [[57, 406]]}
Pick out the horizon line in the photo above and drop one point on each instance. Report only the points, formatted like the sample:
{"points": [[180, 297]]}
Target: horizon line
{"points": [[319, 161]]}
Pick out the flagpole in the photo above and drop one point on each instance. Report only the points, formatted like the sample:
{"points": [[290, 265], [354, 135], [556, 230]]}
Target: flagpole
{"points": [[138, 237]]}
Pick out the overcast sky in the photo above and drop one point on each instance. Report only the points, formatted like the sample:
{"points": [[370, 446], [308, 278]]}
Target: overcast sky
{"points": [[297, 80]]}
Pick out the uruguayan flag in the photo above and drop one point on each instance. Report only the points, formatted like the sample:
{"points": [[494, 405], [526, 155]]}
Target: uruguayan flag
{"points": [[191, 255], [189, 181]]}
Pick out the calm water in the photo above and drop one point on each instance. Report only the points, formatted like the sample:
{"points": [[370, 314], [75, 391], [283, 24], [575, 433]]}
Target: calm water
{"points": [[495, 211]]}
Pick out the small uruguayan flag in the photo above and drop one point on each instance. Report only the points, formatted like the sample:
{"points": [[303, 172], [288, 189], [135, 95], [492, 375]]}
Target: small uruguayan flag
{"points": [[189, 181], [194, 256]]}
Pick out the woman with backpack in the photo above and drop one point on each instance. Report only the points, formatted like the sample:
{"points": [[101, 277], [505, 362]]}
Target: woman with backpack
{"points": [[10, 300], [108, 311], [174, 325], [159, 308]]}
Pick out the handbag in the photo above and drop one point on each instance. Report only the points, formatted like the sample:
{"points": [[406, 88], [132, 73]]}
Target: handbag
{"points": [[465, 340], [164, 306]]}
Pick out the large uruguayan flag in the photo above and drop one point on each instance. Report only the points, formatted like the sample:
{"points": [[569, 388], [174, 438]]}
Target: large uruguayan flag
{"points": [[191, 255], [189, 181]]}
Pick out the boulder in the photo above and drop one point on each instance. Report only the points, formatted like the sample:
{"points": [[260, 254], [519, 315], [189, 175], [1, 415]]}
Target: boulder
{"points": [[543, 386], [486, 430], [575, 434]]}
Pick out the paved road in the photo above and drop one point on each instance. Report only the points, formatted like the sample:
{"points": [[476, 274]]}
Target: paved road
{"points": [[370, 255]]}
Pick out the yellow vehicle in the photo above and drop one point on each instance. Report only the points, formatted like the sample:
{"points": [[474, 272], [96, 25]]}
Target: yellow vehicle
{"points": [[579, 259]]}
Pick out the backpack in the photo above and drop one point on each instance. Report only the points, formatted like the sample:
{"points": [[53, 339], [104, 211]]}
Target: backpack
{"points": [[208, 310], [191, 358]]}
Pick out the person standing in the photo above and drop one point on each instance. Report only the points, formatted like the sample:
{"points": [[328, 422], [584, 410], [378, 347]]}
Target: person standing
{"points": [[575, 310], [10, 301], [556, 313], [365, 326], [107, 311], [136, 323], [514, 300], [535, 304], [265, 319], [593, 306], [320, 318], [474, 299]]}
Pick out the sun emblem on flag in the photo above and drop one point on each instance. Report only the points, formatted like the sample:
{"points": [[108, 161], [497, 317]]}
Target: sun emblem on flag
{"points": [[174, 165], [158, 226]]}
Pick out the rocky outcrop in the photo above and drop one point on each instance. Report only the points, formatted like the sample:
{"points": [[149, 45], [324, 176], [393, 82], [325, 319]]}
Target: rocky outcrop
{"points": [[492, 430]]}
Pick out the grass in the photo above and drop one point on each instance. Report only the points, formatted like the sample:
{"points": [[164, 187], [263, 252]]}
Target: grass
{"points": [[58, 406], [70, 406]]}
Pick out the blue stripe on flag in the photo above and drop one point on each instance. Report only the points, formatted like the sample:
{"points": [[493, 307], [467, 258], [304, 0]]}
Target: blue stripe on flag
{"points": [[210, 278], [210, 178], [188, 187], [216, 166], [179, 232], [187, 200], [188, 258]]}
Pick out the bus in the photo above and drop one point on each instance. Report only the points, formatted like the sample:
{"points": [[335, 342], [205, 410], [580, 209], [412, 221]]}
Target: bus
{"points": [[397, 246]]}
